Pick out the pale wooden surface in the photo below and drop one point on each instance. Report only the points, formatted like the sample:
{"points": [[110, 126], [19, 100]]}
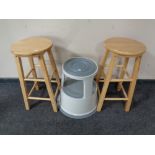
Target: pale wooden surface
{"points": [[31, 46], [54, 67], [102, 65], [22, 82], [31, 61], [27, 94], [133, 83], [124, 46], [106, 83], [47, 82], [36, 47], [122, 74]]}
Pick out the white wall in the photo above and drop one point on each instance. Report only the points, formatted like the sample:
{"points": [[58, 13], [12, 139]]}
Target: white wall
{"points": [[77, 38]]}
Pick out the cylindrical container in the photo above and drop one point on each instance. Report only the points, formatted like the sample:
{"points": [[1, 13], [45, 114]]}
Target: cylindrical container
{"points": [[78, 96]]}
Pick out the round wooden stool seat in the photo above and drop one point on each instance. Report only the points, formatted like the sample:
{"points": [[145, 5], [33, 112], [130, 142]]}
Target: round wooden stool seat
{"points": [[124, 46], [36, 47], [119, 49], [31, 46]]}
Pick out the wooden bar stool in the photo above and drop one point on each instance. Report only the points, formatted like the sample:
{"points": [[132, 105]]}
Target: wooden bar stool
{"points": [[123, 48], [30, 48]]}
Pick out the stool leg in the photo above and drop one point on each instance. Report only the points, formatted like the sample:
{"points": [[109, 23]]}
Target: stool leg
{"points": [[53, 66], [101, 66], [22, 82], [122, 73], [106, 83], [47, 82], [133, 83], [33, 71]]}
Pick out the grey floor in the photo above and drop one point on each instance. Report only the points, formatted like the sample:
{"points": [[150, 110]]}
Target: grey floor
{"points": [[41, 120]]}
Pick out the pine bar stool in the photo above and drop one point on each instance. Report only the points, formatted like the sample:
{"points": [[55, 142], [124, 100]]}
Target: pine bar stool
{"points": [[119, 48], [30, 48]]}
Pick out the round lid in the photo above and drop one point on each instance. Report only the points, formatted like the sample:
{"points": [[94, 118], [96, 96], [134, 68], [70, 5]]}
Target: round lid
{"points": [[80, 67]]}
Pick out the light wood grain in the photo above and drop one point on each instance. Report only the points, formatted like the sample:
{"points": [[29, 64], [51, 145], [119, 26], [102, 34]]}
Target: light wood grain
{"points": [[53, 67], [39, 98], [124, 46], [47, 82], [123, 72], [31, 46], [39, 80], [133, 83], [106, 84], [117, 80], [22, 82], [102, 65], [34, 74]]}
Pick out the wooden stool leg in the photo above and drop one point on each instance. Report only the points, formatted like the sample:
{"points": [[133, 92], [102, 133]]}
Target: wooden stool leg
{"points": [[133, 83], [106, 83], [53, 66], [101, 66], [122, 73], [47, 82], [33, 71], [22, 82]]}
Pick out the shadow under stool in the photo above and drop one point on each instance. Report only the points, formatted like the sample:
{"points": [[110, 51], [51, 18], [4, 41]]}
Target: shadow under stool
{"points": [[125, 49], [36, 47]]}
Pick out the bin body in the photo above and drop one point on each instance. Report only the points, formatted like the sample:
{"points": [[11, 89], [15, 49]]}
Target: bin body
{"points": [[78, 96]]}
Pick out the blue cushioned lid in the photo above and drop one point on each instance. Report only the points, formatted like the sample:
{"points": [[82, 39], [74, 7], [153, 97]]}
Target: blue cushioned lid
{"points": [[80, 67]]}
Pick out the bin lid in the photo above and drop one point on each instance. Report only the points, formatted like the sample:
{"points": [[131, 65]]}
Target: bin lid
{"points": [[80, 67]]}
